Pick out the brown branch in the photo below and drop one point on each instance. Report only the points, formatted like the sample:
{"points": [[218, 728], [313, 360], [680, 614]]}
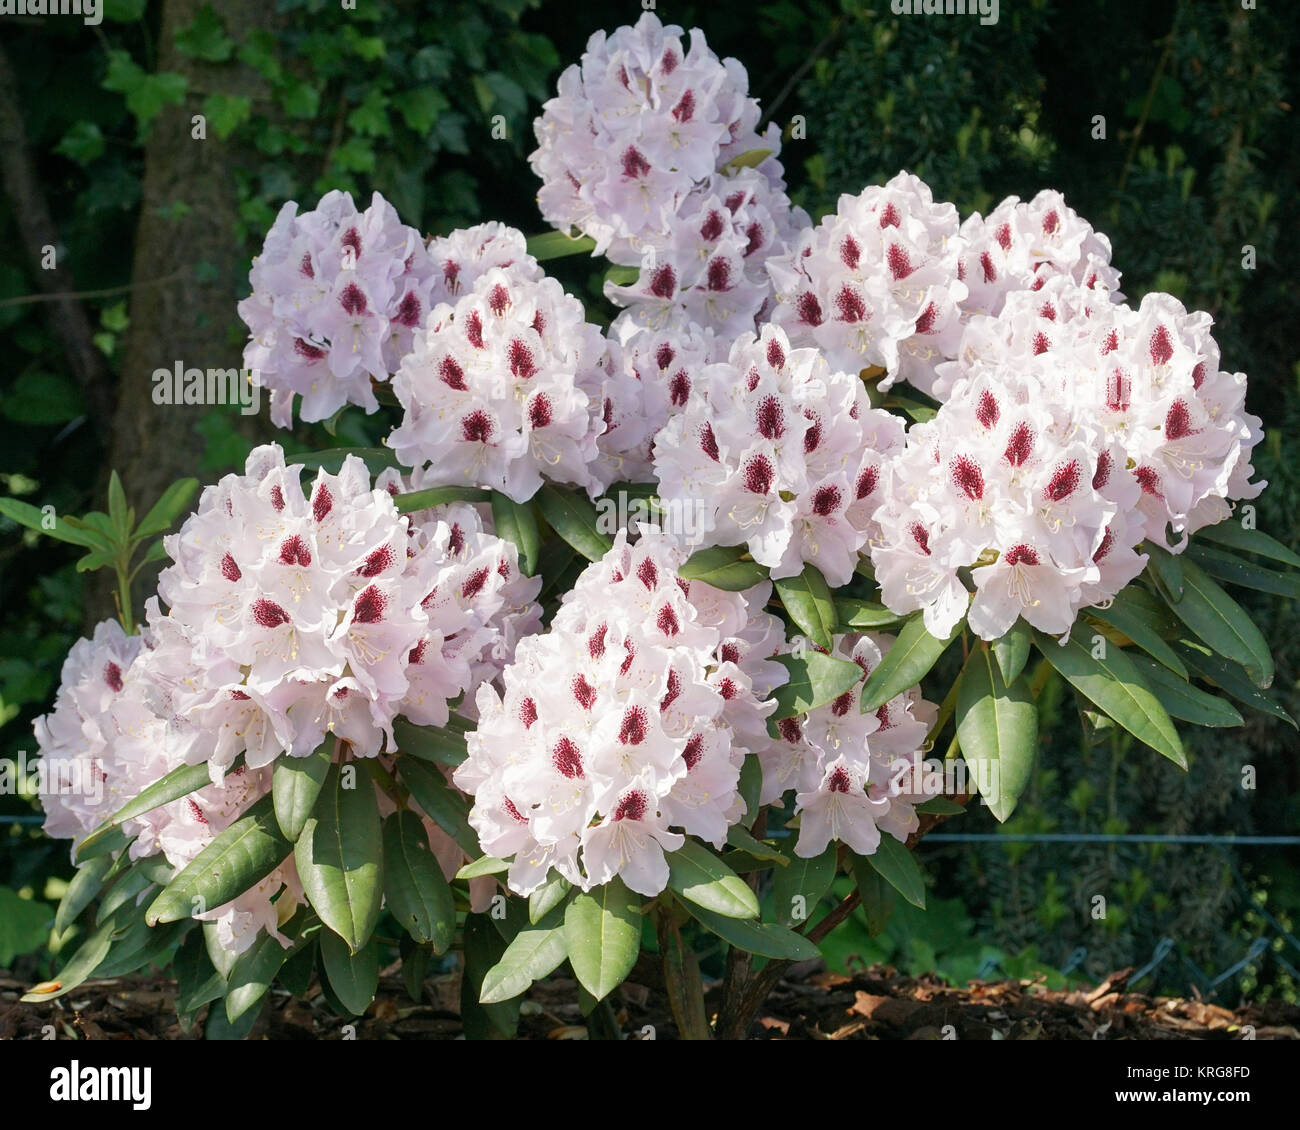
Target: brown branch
{"points": [[103, 292], [68, 318]]}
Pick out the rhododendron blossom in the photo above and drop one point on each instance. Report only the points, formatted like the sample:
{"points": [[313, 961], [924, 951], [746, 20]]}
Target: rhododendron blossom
{"points": [[623, 727], [851, 771], [506, 388], [877, 283], [337, 296], [788, 455], [322, 612]]}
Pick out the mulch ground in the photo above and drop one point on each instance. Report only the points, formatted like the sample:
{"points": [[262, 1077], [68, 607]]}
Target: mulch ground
{"points": [[811, 1004]]}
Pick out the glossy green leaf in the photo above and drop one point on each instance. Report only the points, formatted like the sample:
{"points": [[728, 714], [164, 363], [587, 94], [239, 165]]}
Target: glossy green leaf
{"points": [[253, 972], [702, 878], [906, 664], [898, 867], [445, 807], [353, 975], [415, 889], [800, 886], [1223, 624], [1235, 535], [516, 522], [602, 932], [1232, 679], [738, 837], [296, 784], [1233, 570], [558, 244], [878, 897], [863, 615], [1127, 620], [34, 519], [764, 939], [81, 891], [808, 600], [815, 679], [574, 518], [340, 856], [1011, 651], [484, 865], [1182, 700], [997, 729], [178, 783], [437, 496], [547, 897], [439, 744], [1168, 568], [724, 567], [237, 859], [82, 965], [1113, 684], [167, 509], [536, 951]]}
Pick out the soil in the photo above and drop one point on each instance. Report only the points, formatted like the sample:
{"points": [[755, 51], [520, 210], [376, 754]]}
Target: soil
{"points": [[810, 1004]]}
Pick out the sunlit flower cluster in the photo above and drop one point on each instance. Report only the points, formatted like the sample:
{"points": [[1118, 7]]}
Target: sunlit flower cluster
{"points": [[625, 726]]}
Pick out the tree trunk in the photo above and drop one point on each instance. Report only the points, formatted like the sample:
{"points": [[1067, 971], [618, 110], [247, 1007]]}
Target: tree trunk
{"points": [[191, 319]]}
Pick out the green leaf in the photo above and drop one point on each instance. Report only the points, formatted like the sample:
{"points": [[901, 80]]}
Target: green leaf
{"points": [[575, 520], [1012, 651], [90, 956], [516, 522], [24, 925], [438, 744], [227, 112], [723, 567], [547, 897], [1127, 619], [750, 159], [536, 951], [941, 806], [1182, 700], [446, 808], [253, 972], [1236, 536], [125, 888], [737, 837], [702, 878], [1234, 570], [815, 679], [205, 38], [1223, 624], [340, 857], [415, 889], [602, 932], [808, 600], [81, 891], [40, 399], [1232, 678], [437, 496], [878, 897], [146, 94], [109, 844], [168, 508], [296, 783], [898, 867], [997, 729], [138, 945], [484, 865], [864, 615], [804, 879], [1168, 569], [353, 974], [1114, 685], [558, 244], [764, 939], [483, 949], [906, 664], [237, 859], [83, 143], [30, 516], [197, 982]]}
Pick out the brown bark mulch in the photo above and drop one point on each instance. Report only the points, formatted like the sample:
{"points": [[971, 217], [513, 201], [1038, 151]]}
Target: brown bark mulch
{"points": [[811, 1003]]}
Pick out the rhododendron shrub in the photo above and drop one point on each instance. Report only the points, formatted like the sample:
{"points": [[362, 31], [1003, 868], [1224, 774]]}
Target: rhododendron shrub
{"points": [[481, 697]]}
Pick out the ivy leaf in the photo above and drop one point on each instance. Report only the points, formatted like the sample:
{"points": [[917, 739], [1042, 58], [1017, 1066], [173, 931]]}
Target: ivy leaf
{"points": [[205, 38], [227, 112]]}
